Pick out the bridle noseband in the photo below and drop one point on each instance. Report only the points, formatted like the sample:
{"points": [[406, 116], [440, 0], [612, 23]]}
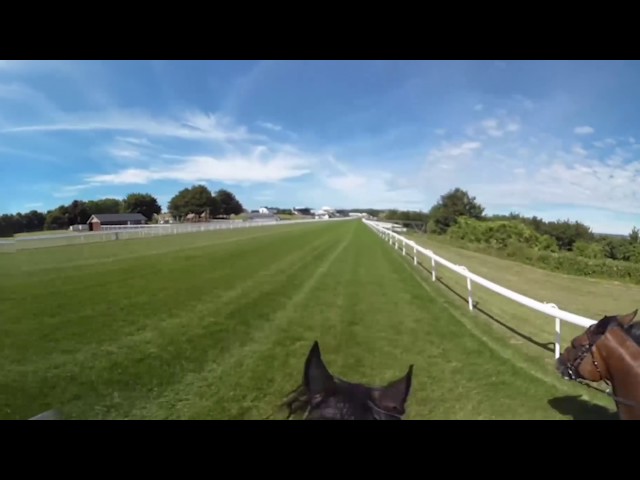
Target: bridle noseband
{"points": [[573, 368]]}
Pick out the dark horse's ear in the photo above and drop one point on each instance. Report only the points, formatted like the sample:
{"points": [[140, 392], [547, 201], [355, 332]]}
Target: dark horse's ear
{"points": [[317, 378], [393, 396], [628, 318]]}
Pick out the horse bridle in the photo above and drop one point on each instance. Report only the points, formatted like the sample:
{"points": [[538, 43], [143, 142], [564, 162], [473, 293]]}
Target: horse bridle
{"points": [[573, 370]]}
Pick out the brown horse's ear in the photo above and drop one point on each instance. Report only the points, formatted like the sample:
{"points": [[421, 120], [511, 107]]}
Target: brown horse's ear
{"points": [[317, 378], [393, 397], [628, 318]]}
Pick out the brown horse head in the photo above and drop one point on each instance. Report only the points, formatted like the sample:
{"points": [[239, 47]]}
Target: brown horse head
{"points": [[323, 396], [582, 359]]}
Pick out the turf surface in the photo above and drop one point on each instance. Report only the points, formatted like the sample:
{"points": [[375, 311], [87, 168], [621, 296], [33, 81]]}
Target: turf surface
{"points": [[216, 325]]}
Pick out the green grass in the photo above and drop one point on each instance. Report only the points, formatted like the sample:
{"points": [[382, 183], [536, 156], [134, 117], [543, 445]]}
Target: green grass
{"points": [[218, 324], [589, 297]]}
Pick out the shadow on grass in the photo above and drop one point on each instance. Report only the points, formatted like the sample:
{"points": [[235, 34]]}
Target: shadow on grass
{"points": [[548, 346], [579, 409]]}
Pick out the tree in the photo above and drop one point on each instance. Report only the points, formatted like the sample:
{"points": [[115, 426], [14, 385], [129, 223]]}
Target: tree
{"points": [[196, 199], [229, 204], [567, 233], [6, 225], [34, 221], [77, 212], [57, 219], [104, 205], [453, 204], [143, 203], [634, 236]]}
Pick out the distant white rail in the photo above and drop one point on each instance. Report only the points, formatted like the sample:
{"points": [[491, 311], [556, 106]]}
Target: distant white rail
{"points": [[546, 308], [124, 232]]}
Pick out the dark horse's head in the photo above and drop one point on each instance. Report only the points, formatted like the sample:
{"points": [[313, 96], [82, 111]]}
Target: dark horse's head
{"points": [[581, 359], [323, 396]]}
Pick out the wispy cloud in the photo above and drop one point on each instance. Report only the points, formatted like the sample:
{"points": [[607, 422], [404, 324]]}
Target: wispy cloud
{"points": [[135, 141], [72, 190], [506, 174], [261, 166], [270, 126], [132, 154], [372, 187], [494, 127], [584, 130], [192, 125]]}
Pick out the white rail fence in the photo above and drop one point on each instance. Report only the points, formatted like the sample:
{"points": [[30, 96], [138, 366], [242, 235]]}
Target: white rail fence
{"points": [[124, 232], [547, 308]]}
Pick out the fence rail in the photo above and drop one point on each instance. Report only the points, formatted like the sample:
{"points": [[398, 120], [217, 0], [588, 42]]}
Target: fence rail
{"points": [[124, 232], [547, 308]]}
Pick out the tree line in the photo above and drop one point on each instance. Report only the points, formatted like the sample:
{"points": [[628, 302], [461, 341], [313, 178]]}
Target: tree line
{"points": [[560, 245], [196, 199]]}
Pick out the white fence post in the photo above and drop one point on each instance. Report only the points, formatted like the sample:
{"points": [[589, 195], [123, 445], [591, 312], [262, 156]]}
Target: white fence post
{"points": [[404, 251], [415, 254], [558, 338], [470, 296], [433, 269]]}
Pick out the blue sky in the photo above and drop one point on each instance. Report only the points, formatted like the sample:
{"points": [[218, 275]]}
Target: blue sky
{"points": [[559, 139]]}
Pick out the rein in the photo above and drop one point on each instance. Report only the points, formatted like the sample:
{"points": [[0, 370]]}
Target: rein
{"points": [[608, 393], [573, 372]]}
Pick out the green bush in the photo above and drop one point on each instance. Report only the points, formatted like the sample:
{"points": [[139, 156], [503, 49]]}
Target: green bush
{"points": [[547, 243], [587, 260], [498, 234], [584, 249], [587, 267]]}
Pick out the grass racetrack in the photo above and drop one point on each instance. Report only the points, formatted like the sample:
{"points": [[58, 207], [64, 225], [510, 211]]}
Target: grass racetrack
{"points": [[217, 325]]}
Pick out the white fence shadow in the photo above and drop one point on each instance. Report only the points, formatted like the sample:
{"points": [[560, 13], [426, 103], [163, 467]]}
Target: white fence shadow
{"points": [[547, 308]]}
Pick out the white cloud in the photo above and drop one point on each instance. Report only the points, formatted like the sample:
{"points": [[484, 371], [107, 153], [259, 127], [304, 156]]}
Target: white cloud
{"points": [[71, 190], [346, 187], [494, 127], [192, 125], [33, 205], [505, 173], [270, 126], [440, 131], [462, 149], [135, 141], [132, 154], [583, 130], [261, 166], [578, 150], [479, 107]]}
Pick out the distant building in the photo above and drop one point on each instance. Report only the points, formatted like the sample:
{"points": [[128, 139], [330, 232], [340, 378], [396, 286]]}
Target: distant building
{"points": [[266, 210], [304, 211], [97, 221]]}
